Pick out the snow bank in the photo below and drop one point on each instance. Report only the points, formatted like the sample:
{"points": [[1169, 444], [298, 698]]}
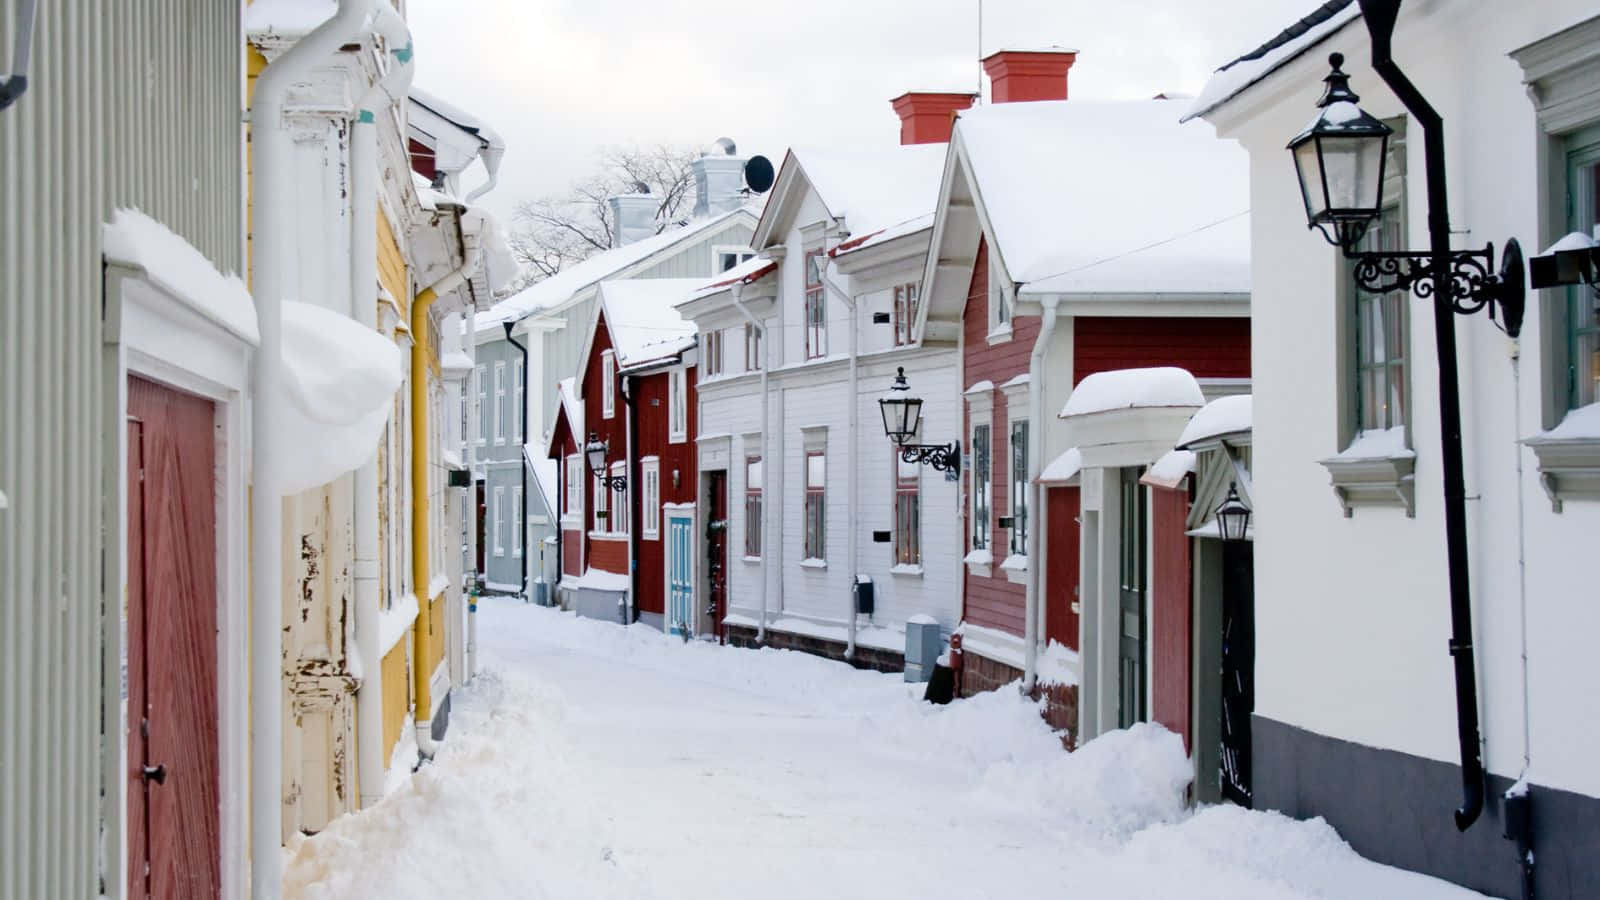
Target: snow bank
{"points": [[1224, 415], [341, 378], [1134, 389], [134, 239]]}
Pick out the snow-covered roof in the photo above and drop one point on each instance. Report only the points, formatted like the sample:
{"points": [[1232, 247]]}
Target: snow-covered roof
{"points": [[748, 272], [560, 287], [572, 408], [1224, 415], [873, 189], [1235, 77], [134, 239], [1106, 197], [457, 116], [643, 318], [1162, 386], [500, 267], [545, 475], [1170, 469], [923, 222], [1063, 468], [430, 198]]}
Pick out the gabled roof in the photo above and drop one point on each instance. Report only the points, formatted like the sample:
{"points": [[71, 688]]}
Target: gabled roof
{"points": [[870, 189], [617, 262], [644, 321], [1237, 76], [570, 412], [1093, 198]]}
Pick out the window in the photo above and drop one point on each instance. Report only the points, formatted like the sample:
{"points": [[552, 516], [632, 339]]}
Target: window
{"points": [[999, 312], [500, 402], [980, 487], [677, 406], [480, 389], [729, 257], [650, 474], [907, 512], [710, 354], [519, 414], [1380, 345], [574, 494], [752, 348], [816, 545], [520, 518], [602, 503], [816, 306], [754, 485], [608, 384], [905, 312], [499, 521], [1019, 487], [619, 524], [1583, 305]]}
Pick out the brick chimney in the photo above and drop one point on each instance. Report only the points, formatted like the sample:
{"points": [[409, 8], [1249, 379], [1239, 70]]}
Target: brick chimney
{"points": [[1017, 76], [927, 117]]}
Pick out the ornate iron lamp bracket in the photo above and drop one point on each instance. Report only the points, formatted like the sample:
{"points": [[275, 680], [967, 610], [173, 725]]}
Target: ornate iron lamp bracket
{"points": [[943, 457], [618, 483], [1473, 283]]}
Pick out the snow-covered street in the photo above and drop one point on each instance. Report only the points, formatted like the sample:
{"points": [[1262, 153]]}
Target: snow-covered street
{"points": [[589, 761]]}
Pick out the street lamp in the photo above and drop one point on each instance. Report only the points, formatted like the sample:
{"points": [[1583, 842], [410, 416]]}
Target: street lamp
{"points": [[1233, 517], [1339, 162], [902, 414], [595, 450], [1575, 259]]}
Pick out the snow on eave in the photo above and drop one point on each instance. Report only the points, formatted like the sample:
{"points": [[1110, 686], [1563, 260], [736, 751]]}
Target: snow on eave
{"points": [[1170, 470], [456, 116], [1241, 74], [1062, 469], [136, 240], [748, 272], [643, 319], [883, 236], [1221, 417], [1150, 388]]}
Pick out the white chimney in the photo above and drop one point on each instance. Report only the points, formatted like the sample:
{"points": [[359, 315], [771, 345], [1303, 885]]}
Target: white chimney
{"points": [[633, 217], [718, 179]]}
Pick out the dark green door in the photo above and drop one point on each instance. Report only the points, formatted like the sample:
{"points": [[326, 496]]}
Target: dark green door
{"points": [[1135, 515]]}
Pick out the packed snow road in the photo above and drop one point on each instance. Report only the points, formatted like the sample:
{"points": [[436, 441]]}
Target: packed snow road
{"points": [[589, 761]]}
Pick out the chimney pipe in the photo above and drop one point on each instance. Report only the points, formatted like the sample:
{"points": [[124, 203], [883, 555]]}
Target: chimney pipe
{"points": [[928, 117], [1019, 76]]}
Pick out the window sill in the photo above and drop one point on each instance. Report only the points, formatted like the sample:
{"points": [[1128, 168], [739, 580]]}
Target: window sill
{"points": [[569, 523], [1016, 568], [1376, 481], [906, 570], [813, 563], [649, 535], [609, 535], [1000, 335], [500, 553], [980, 563], [753, 560], [1569, 458], [677, 438]]}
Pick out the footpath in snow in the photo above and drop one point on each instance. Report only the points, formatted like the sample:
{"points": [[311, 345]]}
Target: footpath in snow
{"points": [[589, 761]]}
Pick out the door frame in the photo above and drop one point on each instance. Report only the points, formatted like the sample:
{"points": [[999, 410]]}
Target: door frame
{"points": [[156, 334], [689, 511]]}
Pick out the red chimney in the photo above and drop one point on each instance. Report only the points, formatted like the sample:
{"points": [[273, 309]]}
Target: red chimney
{"points": [[927, 117], [1017, 76]]}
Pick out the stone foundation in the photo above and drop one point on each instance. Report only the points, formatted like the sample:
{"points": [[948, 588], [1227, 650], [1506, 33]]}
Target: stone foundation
{"points": [[980, 674], [865, 657]]}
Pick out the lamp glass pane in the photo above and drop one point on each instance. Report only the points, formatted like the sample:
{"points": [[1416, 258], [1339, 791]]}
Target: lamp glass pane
{"points": [[1353, 170], [1306, 166], [913, 416]]}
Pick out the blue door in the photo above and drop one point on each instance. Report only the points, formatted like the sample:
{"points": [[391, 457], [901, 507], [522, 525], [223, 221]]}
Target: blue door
{"points": [[680, 573]]}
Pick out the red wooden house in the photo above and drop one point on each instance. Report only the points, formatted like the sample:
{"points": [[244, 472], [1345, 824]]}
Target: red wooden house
{"points": [[624, 441], [1073, 238]]}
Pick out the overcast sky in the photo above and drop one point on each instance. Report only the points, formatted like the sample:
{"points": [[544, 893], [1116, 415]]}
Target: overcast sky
{"points": [[560, 79]]}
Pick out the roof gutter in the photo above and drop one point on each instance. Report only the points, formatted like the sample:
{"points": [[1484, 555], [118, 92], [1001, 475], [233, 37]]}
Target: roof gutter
{"points": [[274, 256]]}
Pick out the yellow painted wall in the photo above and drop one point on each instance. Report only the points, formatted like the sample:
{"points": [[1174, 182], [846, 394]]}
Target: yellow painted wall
{"points": [[396, 693], [392, 264]]}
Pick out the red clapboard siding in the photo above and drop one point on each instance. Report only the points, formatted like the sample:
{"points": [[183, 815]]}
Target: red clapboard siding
{"points": [[606, 555], [571, 551], [654, 440], [1207, 347], [994, 602], [1061, 572], [1170, 592]]}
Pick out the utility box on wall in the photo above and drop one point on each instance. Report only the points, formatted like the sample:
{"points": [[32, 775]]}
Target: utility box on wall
{"points": [[865, 599], [923, 646]]}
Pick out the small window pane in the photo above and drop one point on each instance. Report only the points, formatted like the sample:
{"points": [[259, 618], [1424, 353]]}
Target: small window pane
{"points": [[816, 470]]}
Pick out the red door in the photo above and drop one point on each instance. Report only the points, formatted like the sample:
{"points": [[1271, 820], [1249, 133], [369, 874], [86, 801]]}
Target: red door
{"points": [[174, 841]]}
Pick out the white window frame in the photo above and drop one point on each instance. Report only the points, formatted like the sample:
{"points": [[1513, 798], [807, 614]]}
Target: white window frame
{"points": [[518, 401], [499, 519], [999, 306], [572, 515], [650, 490], [499, 402], [601, 522], [677, 406], [480, 391], [742, 255], [619, 523], [520, 513], [752, 348], [608, 384], [711, 358]]}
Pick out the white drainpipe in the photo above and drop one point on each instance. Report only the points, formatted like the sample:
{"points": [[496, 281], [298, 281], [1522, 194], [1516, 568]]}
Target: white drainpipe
{"points": [[854, 449], [1033, 622], [766, 464], [364, 188], [274, 255]]}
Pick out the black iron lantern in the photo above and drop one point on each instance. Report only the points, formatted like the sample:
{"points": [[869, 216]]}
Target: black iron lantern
{"points": [[1340, 158], [902, 412], [596, 450], [1233, 517]]}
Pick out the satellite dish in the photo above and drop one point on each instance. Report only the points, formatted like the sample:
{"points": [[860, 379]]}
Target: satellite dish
{"points": [[758, 174]]}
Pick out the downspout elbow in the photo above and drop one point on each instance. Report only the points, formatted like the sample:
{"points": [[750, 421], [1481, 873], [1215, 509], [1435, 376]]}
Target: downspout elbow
{"points": [[491, 156]]}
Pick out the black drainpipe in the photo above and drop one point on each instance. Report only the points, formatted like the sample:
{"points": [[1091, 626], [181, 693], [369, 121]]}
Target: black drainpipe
{"points": [[522, 457]]}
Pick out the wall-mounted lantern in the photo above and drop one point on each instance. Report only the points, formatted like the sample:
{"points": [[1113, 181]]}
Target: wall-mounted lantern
{"points": [[1233, 517], [902, 414], [596, 450]]}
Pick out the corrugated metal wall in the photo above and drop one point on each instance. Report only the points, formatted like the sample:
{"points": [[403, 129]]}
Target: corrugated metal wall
{"points": [[131, 103]]}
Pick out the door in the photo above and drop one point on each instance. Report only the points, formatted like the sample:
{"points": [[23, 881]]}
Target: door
{"points": [[479, 572], [1131, 706], [174, 840], [680, 573], [716, 548], [1238, 668]]}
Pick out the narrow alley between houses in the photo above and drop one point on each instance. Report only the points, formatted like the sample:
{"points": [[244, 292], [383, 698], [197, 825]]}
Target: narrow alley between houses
{"points": [[592, 761]]}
